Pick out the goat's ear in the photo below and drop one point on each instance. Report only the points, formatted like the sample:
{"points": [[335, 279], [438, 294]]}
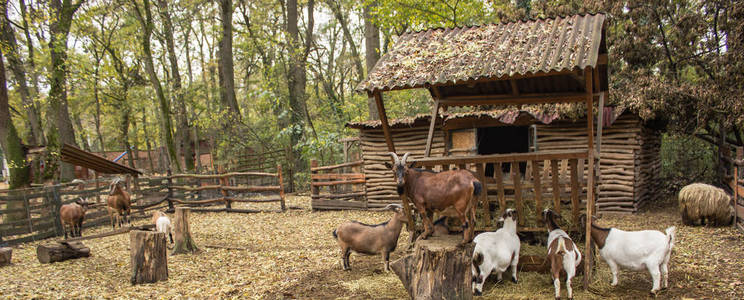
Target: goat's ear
{"points": [[388, 165], [411, 165]]}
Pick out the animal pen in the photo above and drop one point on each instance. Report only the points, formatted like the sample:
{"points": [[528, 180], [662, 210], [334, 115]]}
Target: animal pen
{"points": [[525, 63]]}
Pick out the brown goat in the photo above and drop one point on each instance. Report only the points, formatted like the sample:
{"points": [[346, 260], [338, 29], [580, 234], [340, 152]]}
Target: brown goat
{"points": [[432, 192], [72, 216], [118, 203], [371, 239]]}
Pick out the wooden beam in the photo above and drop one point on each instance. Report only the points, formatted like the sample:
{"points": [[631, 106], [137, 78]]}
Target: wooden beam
{"points": [[512, 100], [511, 157], [514, 88], [434, 114], [602, 59], [590, 176], [384, 121]]}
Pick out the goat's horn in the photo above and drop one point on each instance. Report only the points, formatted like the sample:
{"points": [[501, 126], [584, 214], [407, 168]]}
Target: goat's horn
{"points": [[405, 156], [395, 157]]}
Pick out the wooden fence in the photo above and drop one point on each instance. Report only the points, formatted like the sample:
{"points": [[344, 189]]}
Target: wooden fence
{"points": [[237, 187], [737, 185], [339, 186], [33, 214]]}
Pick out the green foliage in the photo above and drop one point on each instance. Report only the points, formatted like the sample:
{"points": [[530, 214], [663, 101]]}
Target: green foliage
{"points": [[684, 160]]}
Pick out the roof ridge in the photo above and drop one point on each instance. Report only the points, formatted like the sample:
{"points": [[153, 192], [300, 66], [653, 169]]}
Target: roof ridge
{"points": [[510, 21]]}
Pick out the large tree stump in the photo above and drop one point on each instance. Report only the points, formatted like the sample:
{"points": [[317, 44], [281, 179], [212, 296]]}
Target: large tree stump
{"points": [[5, 255], [184, 243], [149, 256], [61, 252], [437, 269]]}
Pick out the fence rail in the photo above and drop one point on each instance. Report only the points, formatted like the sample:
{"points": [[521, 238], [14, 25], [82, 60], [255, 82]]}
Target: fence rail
{"points": [[340, 186]]}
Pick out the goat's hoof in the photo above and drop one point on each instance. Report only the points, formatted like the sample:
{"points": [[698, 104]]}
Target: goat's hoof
{"points": [[514, 280], [557, 298], [654, 293], [477, 293]]}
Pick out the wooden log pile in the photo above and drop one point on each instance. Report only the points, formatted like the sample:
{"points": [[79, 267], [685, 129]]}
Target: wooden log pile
{"points": [[380, 182]]}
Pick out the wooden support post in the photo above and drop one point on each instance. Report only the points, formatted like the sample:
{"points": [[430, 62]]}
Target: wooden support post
{"points": [[589, 245], [170, 191], [573, 163], [409, 216], [314, 189], [384, 121], [434, 114], [98, 185], [555, 176], [225, 182], [600, 125], [517, 179], [184, 243], [6, 253], [498, 173], [538, 191], [437, 269], [281, 185], [481, 172], [60, 252], [148, 256], [739, 156]]}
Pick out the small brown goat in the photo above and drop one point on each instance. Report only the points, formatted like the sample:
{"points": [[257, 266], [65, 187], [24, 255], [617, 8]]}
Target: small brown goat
{"points": [[371, 239], [431, 191], [72, 216], [118, 203], [563, 254]]}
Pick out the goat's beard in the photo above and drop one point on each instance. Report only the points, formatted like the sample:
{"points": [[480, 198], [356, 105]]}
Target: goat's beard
{"points": [[400, 189]]}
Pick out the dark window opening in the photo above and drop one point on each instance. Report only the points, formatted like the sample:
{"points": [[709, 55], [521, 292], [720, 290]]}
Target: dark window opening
{"points": [[502, 140]]}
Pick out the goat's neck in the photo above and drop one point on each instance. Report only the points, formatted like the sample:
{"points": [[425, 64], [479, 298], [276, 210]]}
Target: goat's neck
{"points": [[510, 226], [395, 224], [599, 235], [552, 225]]}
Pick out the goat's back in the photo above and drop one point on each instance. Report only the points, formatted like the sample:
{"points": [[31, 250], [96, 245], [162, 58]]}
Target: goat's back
{"points": [[71, 212], [163, 224], [443, 189], [360, 237], [635, 249], [119, 201], [497, 247]]}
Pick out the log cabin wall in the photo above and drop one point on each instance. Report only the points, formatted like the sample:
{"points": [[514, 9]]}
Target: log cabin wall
{"points": [[630, 159], [380, 179]]}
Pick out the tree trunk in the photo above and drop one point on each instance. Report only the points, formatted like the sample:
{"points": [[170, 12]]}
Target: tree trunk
{"points": [[372, 53], [61, 21], [183, 241], [10, 46], [167, 128], [227, 80], [60, 252], [147, 140], [341, 18], [438, 269], [148, 256], [183, 125], [6, 253], [9, 140]]}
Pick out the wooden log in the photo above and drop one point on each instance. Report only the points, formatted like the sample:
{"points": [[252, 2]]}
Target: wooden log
{"points": [[437, 269], [6, 253], [183, 241], [148, 256], [556, 188], [538, 191], [60, 252]]}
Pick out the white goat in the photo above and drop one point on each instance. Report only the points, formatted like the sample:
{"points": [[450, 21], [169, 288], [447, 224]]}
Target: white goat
{"points": [[636, 250], [562, 254], [495, 252], [162, 223]]}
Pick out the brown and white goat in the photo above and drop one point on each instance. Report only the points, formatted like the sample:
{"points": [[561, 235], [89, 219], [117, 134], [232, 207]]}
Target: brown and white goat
{"points": [[436, 191], [563, 254], [72, 216], [371, 239], [162, 223], [119, 204]]}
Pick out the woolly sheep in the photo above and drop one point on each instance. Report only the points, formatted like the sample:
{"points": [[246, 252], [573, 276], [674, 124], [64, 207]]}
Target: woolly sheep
{"points": [[699, 201]]}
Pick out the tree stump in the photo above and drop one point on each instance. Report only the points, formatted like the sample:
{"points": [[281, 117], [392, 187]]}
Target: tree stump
{"points": [[60, 252], [183, 241], [149, 258], [437, 269], [5, 255]]}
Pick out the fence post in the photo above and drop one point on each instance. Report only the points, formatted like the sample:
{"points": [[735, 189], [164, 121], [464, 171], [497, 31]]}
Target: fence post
{"points": [[98, 195], [225, 181], [739, 156], [169, 181], [57, 202], [281, 185], [314, 190]]}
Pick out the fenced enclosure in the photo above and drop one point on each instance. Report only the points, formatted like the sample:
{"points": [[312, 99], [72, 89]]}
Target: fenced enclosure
{"points": [[737, 185], [33, 214], [236, 187], [339, 186]]}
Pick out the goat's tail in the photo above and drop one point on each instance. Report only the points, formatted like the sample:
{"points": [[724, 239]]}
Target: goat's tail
{"points": [[670, 232], [561, 249], [477, 187], [335, 235]]}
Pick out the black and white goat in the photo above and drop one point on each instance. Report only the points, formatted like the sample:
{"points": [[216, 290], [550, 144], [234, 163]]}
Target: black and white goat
{"points": [[563, 254], [636, 250], [496, 251], [371, 239]]}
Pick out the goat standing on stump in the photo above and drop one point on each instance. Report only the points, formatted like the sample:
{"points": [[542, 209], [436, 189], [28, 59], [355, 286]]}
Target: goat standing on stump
{"points": [[496, 251], [162, 223], [636, 250], [371, 239], [118, 203], [562, 254], [72, 216], [433, 192]]}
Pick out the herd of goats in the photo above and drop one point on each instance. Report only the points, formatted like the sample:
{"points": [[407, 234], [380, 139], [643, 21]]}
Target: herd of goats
{"points": [[496, 251], [431, 192]]}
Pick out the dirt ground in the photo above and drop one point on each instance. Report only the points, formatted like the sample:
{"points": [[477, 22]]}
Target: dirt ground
{"points": [[293, 255]]}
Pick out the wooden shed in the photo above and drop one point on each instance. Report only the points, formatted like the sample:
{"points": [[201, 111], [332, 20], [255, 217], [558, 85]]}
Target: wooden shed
{"points": [[628, 164]]}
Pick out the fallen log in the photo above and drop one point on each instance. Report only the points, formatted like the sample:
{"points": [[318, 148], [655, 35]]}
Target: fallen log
{"points": [[60, 252]]}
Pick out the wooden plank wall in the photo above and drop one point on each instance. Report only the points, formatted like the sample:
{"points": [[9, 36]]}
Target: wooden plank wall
{"points": [[380, 182]]}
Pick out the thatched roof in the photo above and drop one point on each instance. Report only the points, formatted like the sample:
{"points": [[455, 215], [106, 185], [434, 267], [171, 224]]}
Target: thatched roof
{"points": [[495, 51]]}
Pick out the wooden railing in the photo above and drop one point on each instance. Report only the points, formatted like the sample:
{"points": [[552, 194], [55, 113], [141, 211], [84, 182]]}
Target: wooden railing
{"points": [[337, 186], [228, 188], [550, 177]]}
